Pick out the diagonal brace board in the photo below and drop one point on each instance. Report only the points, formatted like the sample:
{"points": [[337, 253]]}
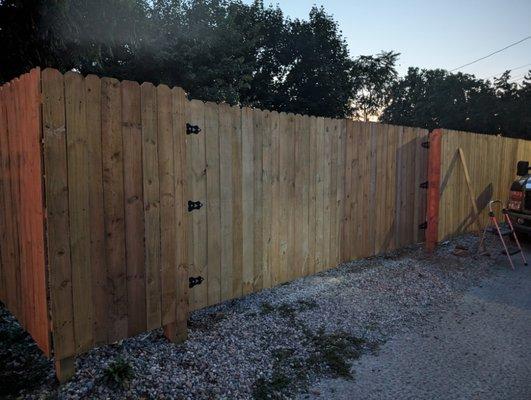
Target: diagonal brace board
{"points": [[470, 189]]}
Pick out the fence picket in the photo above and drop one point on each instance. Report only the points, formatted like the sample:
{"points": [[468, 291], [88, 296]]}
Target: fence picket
{"points": [[213, 205], [113, 195], [78, 184], [58, 230], [168, 268], [134, 207]]}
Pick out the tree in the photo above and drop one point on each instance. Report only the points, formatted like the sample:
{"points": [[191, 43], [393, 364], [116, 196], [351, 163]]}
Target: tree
{"points": [[217, 50], [90, 36], [373, 78], [252, 55], [315, 69], [437, 98]]}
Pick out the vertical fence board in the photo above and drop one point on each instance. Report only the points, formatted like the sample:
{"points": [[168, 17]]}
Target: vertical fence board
{"points": [[198, 192], [320, 238], [226, 197], [151, 190], [258, 199], [237, 232], [213, 205], [133, 207], [14, 151], [334, 211], [57, 218], [304, 176], [422, 173], [179, 112], [248, 204], [354, 190], [410, 199], [4, 224], [327, 173], [312, 193], [167, 203], [390, 203], [274, 255], [36, 213], [291, 241], [100, 298], [267, 171], [113, 195], [401, 160], [25, 230], [78, 184], [297, 205], [367, 176], [347, 238], [340, 195], [370, 217], [283, 222]]}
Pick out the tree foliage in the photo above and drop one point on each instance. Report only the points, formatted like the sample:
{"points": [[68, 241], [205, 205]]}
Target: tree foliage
{"points": [[437, 98], [373, 77], [219, 50], [250, 54]]}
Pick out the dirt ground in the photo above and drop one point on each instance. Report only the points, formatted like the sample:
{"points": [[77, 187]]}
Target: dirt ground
{"points": [[452, 325]]}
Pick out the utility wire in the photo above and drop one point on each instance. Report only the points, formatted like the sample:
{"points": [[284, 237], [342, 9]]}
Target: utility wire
{"points": [[508, 69], [491, 54], [517, 78]]}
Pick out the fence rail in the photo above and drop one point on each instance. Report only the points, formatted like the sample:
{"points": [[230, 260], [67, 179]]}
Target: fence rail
{"points": [[138, 189]]}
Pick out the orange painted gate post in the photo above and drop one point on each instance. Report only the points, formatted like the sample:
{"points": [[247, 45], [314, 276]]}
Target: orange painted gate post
{"points": [[434, 181]]}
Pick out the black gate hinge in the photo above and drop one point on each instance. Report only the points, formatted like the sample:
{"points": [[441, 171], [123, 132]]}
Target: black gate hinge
{"points": [[194, 205], [424, 225], [195, 281], [192, 129], [426, 145], [424, 185]]}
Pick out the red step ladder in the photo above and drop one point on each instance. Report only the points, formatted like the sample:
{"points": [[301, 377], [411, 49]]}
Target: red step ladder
{"points": [[502, 231]]}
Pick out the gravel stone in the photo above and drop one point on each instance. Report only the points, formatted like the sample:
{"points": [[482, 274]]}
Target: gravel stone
{"points": [[237, 344]]}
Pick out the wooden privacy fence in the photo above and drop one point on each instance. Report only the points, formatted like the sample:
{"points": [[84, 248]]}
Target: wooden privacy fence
{"points": [[491, 162], [289, 195], [124, 205]]}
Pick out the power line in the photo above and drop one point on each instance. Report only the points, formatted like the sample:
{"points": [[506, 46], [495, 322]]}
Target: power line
{"points": [[517, 78], [491, 54], [508, 69]]}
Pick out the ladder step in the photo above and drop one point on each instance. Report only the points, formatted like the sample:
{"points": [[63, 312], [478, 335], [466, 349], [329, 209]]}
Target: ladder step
{"points": [[512, 251]]}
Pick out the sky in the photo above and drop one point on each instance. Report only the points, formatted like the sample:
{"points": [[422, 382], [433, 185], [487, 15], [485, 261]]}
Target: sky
{"points": [[432, 34]]}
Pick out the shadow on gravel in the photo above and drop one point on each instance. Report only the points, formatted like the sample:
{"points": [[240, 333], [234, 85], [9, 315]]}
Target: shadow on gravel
{"points": [[22, 365]]}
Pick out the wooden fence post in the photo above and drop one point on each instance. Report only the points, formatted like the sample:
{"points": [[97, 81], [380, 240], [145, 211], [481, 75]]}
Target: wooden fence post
{"points": [[434, 180]]}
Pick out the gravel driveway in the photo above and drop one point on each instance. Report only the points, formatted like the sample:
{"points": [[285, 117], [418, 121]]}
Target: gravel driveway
{"points": [[477, 347], [403, 325]]}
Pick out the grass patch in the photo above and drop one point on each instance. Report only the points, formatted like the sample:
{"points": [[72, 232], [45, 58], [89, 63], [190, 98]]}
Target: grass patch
{"points": [[287, 310], [272, 388], [333, 353], [267, 308], [330, 355], [326, 354], [119, 372]]}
